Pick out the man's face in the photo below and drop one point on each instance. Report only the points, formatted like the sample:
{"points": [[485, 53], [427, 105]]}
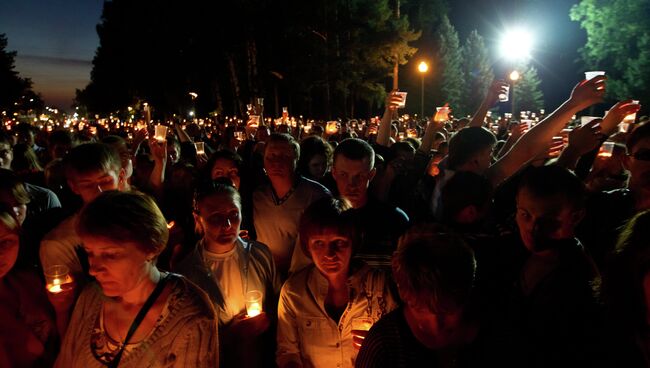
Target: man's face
{"points": [[90, 185], [6, 156], [220, 219], [638, 164], [544, 219], [279, 160], [353, 178]]}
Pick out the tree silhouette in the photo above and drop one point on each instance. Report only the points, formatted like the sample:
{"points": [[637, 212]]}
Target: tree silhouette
{"points": [[477, 70], [15, 92], [453, 78]]}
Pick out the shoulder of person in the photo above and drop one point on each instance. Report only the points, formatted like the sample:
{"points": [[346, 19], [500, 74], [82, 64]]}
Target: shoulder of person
{"points": [[192, 296], [297, 282], [258, 250], [313, 185]]}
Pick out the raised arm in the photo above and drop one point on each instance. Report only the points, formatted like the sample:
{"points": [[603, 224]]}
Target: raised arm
{"points": [[582, 140], [616, 114], [496, 88], [534, 142], [383, 131]]}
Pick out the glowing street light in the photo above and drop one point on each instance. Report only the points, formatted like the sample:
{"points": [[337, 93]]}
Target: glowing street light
{"points": [[516, 44], [423, 67], [514, 76]]}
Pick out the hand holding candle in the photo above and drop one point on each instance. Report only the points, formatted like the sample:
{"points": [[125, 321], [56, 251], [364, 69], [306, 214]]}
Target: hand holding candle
{"points": [[253, 303]]}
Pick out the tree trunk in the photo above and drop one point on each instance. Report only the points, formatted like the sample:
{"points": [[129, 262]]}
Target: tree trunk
{"points": [[235, 85]]}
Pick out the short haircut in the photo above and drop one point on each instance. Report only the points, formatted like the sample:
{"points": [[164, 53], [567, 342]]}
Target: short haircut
{"points": [[550, 181], [125, 217], [464, 189], [435, 267], [403, 146], [285, 138], [12, 184], [221, 186], [223, 155], [327, 214], [466, 144], [355, 149], [310, 147], [119, 145], [641, 132], [90, 157], [6, 139]]}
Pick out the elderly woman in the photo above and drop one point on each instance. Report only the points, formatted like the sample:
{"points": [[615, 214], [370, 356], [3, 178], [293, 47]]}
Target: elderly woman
{"points": [[135, 315], [322, 304], [28, 335]]}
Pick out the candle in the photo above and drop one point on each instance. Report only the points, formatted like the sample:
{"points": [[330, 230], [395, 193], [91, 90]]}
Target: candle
{"points": [[55, 277], [253, 303]]}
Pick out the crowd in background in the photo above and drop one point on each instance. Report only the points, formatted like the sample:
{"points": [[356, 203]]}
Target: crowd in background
{"points": [[392, 242]]}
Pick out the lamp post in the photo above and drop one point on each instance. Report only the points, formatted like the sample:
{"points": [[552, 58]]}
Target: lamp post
{"points": [[422, 68], [514, 77]]}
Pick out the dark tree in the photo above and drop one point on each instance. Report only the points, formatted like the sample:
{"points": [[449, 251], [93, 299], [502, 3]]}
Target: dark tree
{"points": [[15, 92], [477, 70]]}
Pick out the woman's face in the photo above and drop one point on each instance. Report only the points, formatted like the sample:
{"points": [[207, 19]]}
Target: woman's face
{"points": [[119, 267], [331, 253], [19, 209], [220, 218], [224, 168], [9, 242], [318, 166]]}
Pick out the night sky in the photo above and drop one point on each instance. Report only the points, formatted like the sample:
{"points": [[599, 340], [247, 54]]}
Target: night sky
{"points": [[56, 40]]}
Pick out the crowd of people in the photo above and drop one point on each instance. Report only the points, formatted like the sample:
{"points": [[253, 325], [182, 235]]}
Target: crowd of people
{"points": [[443, 242]]}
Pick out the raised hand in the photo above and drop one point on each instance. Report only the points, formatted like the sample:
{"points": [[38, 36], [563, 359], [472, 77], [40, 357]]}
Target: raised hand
{"points": [[496, 88], [585, 138], [392, 101], [616, 115], [588, 92]]}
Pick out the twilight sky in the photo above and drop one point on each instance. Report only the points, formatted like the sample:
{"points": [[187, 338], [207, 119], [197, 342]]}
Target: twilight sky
{"points": [[56, 40]]}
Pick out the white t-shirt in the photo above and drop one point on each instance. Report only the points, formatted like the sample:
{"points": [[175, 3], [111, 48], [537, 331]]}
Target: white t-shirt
{"points": [[227, 274]]}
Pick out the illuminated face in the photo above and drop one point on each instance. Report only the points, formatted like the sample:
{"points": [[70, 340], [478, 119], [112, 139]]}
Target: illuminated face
{"points": [[90, 185], [220, 218], [279, 160], [9, 243], [224, 168], [6, 156], [119, 267], [353, 178], [318, 166], [542, 219], [331, 253]]}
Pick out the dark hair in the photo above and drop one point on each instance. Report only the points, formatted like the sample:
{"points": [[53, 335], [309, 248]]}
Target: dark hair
{"points": [[403, 146], [25, 159], [6, 139], [285, 138], [210, 188], [125, 217], [310, 147], [464, 189], [89, 157], [641, 132], [60, 136], [436, 267], [323, 215], [355, 149], [622, 287], [222, 155], [549, 181], [466, 144]]}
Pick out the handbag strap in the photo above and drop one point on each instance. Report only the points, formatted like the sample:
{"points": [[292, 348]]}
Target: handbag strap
{"points": [[138, 319]]}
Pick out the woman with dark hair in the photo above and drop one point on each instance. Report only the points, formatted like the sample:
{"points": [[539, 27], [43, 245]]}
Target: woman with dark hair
{"points": [[135, 315], [229, 269], [315, 158], [323, 306], [28, 336], [625, 289]]}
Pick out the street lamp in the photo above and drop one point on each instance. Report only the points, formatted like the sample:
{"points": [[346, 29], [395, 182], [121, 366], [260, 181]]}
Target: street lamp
{"points": [[516, 44], [514, 77], [422, 68]]}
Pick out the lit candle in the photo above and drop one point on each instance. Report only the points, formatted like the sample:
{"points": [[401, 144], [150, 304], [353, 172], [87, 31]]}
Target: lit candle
{"points": [[55, 277], [253, 303]]}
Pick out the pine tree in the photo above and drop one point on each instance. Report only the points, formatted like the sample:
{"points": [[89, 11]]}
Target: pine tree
{"points": [[528, 96], [449, 53], [477, 71], [15, 92]]}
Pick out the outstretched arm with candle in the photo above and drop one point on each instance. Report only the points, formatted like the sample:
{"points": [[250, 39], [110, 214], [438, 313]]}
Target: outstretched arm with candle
{"points": [[496, 88], [534, 142]]}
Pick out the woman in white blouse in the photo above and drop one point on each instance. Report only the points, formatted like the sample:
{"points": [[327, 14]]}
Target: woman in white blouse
{"points": [[321, 305]]}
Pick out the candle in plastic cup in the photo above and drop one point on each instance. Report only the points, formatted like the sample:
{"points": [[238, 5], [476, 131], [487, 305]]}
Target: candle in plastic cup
{"points": [[253, 303], [593, 74], [606, 150], [160, 133], [442, 113], [260, 101], [253, 121], [400, 135], [629, 119], [503, 97], [239, 136], [200, 148], [361, 324], [402, 102], [55, 277]]}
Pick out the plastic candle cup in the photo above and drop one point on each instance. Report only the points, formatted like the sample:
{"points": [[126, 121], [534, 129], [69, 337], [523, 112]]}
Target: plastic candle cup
{"points": [[160, 133], [200, 148], [593, 74], [253, 303], [55, 277]]}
